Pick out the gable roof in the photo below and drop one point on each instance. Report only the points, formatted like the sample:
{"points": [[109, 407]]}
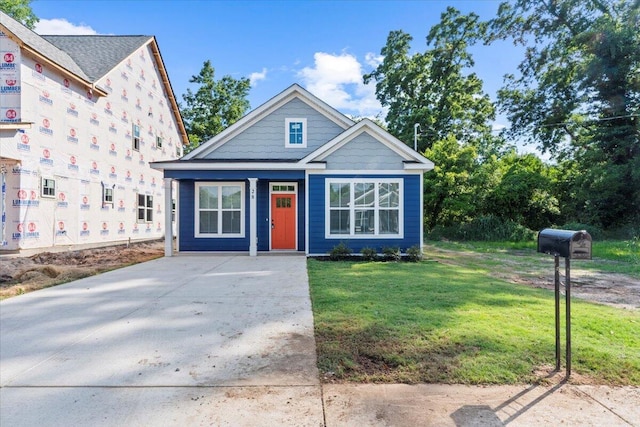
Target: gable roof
{"points": [[88, 58], [196, 160], [98, 54], [42, 48], [409, 156], [294, 91]]}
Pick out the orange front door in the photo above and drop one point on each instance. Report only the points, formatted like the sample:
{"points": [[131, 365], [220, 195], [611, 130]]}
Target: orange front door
{"points": [[283, 221]]}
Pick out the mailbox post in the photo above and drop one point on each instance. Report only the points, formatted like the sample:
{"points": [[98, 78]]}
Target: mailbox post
{"points": [[567, 244]]}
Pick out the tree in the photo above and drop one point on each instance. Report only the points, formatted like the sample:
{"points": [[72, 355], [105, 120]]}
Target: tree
{"points": [[577, 96], [214, 106], [433, 88], [21, 11], [451, 194], [523, 191]]}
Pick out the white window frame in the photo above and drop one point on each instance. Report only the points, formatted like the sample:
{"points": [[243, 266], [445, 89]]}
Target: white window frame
{"points": [[159, 141], [197, 209], [287, 140], [48, 188], [352, 208], [147, 208], [135, 137], [108, 192]]}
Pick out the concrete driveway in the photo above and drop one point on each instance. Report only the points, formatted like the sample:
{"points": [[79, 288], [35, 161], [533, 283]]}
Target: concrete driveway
{"points": [[187, 340]]}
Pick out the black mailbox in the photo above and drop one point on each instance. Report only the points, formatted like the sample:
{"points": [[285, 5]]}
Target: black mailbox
{"points": [[565, 243]]}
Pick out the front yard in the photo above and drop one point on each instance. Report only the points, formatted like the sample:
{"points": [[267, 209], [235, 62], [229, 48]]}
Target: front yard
{"points": [[463, 316]]}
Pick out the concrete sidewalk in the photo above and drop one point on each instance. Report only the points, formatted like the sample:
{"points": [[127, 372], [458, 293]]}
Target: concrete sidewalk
{"points": [[228, 341]]}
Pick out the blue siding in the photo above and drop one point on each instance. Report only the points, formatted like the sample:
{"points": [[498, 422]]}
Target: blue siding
{"points": [[188, 241], [318, 244]]}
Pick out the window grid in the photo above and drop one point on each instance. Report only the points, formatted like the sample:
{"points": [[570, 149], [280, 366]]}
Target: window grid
{"points": [[145, 208], [219, 210], [135, 137], [48, 187], [364, 208]]}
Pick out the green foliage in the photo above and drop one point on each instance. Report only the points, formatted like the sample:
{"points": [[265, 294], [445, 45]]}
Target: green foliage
{"points": [[340, 252], [414, 253], [214, 106], [484, 228], [578, 97], [523, 192], [434, 88], [21, 11], [369, 254], [391, 253]]}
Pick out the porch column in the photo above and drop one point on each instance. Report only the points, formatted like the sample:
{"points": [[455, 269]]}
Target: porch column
{"points": [[253, 217], [168, 226]]}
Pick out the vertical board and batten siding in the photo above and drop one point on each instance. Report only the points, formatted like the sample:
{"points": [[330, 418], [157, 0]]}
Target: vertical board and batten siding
{"points": [[266, 138], [412, 216], [364, 153]]}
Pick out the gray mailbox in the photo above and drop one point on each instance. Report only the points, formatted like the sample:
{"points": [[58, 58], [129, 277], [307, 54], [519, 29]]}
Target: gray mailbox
{"points": [[565, 243]]}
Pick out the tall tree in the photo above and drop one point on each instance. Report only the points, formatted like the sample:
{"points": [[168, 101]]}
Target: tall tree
{"points": [[578, 96], [214, 106], [435, 88], [21, 11]]}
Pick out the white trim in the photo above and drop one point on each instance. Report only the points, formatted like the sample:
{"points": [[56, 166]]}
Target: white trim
{"points": [[352, 208], [292, 92], [222, 165], [364, 174], [196, 210], [43, 180], [295, 195], [287, 132], [377, 133], [168, 226], [421, 212], [253, 216], [306, 211]]}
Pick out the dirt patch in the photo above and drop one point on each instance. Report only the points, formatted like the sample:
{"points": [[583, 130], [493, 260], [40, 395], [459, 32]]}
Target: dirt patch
{"points": [[22, 274], [614, 289]]}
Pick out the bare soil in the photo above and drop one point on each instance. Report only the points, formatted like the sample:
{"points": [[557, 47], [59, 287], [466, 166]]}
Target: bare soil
{"points": [[614, 289], [21, 274]]}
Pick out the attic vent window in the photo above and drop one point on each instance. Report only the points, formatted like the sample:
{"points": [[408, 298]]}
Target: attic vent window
{"points": [[295, 133]]}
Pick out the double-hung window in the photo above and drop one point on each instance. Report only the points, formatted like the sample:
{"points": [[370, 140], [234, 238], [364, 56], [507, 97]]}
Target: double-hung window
{"points": [[145, 208], [295, 133], [219, 209], [364, 208], [135, 137], [48, 188]]}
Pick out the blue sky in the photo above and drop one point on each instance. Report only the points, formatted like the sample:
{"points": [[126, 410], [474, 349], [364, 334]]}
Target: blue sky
{"points": [[325, 46]]}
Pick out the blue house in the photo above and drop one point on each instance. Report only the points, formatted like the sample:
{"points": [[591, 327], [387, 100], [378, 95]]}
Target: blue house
{"points": [[296, 175]]}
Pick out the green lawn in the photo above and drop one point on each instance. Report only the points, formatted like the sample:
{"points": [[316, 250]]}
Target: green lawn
{"points": [[440, 322]]}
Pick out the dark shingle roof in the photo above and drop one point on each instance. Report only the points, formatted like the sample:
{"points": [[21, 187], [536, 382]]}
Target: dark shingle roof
{"points": [[46, 48], [97, 54]]}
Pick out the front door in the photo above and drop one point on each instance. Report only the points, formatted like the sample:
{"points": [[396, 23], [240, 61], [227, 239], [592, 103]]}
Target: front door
{"points": [[283, 221]]}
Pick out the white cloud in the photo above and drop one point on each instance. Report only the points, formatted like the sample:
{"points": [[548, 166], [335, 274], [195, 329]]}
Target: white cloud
{"points": [[254, 78], [62, 27], [337, 80]]}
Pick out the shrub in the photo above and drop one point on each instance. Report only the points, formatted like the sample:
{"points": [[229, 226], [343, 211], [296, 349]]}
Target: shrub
{"points": [[369, 254], [340, 252], [594, 232], [414, 253], [484, 228], [391, 253]]}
